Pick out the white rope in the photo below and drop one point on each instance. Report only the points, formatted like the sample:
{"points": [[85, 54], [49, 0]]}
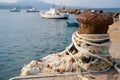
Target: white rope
{"points": [[85, 36], [84, 41], [88, 53], [116, 67]]}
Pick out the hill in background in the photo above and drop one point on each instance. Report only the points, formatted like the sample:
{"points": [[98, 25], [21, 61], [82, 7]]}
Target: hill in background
{"points": [[25, 4]]}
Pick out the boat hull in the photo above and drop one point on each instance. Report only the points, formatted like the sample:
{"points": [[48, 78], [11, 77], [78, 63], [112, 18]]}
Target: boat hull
{"points": [[31, 11], [49, 16], [14, 10], [72, 23]]}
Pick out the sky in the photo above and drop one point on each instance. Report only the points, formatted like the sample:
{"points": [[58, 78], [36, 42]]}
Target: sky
{"points": [[8, 1], [81, 3]]}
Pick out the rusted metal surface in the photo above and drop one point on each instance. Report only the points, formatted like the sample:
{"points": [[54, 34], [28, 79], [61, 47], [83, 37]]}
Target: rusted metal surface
{"points": [[93, 23]]}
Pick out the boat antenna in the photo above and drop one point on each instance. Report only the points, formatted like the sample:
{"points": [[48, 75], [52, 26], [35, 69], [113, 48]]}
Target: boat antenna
{"points": [[61, 3], [53, 6]]}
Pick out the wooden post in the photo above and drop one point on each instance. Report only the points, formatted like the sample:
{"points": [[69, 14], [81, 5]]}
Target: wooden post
{"points": [[93, 23]]}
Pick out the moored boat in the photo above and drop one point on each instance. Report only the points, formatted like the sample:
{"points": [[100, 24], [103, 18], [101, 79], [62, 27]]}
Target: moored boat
{"points": [[54, 14], [15, 10], [72, 23], [32, 10], [49, 16]]}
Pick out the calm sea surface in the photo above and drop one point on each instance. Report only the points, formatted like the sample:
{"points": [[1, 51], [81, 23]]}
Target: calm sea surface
{"points": [[26, 36]]}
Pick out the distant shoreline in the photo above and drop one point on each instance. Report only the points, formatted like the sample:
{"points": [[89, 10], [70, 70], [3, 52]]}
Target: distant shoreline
{"points": [[27, 7]]}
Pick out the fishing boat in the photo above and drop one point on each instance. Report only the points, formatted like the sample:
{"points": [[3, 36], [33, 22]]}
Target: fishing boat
{"points": [[72, 23], [49, 16], [32, 10], [15, 10], [54, 14]]}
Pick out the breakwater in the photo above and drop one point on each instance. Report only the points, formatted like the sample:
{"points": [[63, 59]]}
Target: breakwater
{"points": [[114, 14]]}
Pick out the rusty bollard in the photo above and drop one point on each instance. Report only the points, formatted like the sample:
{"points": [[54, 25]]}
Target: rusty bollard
{"points": [[93, 28], [93, 23]]}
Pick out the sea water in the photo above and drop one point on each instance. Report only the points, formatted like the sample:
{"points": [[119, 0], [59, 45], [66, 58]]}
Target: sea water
{"points": [[27, 36]]}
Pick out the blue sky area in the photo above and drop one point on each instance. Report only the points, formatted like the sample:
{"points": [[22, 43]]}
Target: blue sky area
{"points": [[81, 3]]}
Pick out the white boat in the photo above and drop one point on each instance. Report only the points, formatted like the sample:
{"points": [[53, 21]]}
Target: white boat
{"points": [[32, 10], [54, 14], [15, 10]]}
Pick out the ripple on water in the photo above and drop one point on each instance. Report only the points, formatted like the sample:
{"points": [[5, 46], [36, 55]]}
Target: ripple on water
{"points": [[53, 49], [16, 46], [43, 52], [37, 54], [35, 47], [11, 53], [13, 68], [20, 57], [2, 64], [21, 50], [9, 60], [37, 51]]}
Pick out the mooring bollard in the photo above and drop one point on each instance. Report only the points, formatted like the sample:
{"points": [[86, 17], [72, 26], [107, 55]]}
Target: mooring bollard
{"points": [[93, 38], [93, 23]]}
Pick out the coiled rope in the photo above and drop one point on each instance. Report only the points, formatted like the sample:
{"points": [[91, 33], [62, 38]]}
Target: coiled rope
{"points": [[90, 39], [83, 39]]}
